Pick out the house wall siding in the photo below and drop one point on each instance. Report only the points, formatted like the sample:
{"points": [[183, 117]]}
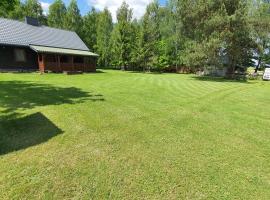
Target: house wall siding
{"points": [[32, 61], [8, 61], [49, 63]]}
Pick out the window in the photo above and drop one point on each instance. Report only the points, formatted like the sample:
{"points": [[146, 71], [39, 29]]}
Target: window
{"points": [[40, 58], [20, 55], [64, 59], [78, 60], [50, 58]]}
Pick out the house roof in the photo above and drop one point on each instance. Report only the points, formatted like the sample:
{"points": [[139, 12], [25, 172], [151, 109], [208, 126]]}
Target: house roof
{"points": [[43, 49], [14, 32]]}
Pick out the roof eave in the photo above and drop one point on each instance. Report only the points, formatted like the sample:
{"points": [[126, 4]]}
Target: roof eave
{"points": [[51, 51]]}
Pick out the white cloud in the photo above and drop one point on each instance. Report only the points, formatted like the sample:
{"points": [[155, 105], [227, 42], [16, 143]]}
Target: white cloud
{"points": [[45, 6], [138, 6]]}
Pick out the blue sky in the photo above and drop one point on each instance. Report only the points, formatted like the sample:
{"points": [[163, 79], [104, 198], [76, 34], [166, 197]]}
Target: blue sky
{"points": [[85, 5]]}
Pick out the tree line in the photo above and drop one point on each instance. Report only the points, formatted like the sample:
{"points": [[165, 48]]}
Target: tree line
{"points": [[184, 34]]}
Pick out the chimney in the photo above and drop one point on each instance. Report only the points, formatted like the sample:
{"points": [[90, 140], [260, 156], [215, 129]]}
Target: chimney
{"points": [[31, 21]]}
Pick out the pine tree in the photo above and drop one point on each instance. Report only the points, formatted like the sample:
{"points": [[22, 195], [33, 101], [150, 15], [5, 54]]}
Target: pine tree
{"points": [[124, 18], [237, 34], [90, 23], [261, 31], [151, 35], [136, 60], [167, 46]]}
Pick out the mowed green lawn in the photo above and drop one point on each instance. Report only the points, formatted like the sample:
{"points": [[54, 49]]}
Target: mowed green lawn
{"points": [[122, 135]]}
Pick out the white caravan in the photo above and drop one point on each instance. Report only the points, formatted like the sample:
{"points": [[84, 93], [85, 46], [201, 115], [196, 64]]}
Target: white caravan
{"points": [[266, 75]]}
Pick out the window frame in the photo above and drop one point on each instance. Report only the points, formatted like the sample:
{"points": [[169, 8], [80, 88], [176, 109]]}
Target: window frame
{"points": [[78, 58], [20, 55]]}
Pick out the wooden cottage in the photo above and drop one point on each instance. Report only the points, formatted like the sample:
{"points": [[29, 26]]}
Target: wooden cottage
{"points": [[30, 46]]}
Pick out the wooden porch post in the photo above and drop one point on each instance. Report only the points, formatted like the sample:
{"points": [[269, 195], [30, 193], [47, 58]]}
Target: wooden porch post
{"points": [[72, 62], [58, 63], [41, 64], [43, 61], [84, 66]]}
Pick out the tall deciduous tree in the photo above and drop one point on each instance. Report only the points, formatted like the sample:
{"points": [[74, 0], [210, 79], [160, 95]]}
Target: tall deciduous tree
{"points": [[115, 49], [104, 30], [172, 32], [90, 23], [73, 19], [7, 6], [32, 8], [57, 13]]}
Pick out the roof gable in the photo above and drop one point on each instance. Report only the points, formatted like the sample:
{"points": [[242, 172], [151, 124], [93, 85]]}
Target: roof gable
{"points": [[19, 33]]}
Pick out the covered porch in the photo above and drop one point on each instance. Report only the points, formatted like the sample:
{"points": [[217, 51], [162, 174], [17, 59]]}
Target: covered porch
{"points": [[61, 60]]}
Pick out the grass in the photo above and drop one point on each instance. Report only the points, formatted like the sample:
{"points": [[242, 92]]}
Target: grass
{"points": [[120, 135]]}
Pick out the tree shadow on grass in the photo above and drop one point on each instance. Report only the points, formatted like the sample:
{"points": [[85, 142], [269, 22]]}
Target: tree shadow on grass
{"points": [[26, 95], [219, 79], [23, 132], [146, 72], [18, 131]]}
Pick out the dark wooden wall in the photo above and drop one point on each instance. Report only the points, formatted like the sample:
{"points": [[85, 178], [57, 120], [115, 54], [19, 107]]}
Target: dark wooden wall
{"points": [[52, 62], [7, 59]]}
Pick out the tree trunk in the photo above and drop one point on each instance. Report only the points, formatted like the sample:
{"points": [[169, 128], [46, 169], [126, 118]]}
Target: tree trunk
{"points": [[176, 53], [258, 65], [231, 70], [144, 63], [124, 67]]}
